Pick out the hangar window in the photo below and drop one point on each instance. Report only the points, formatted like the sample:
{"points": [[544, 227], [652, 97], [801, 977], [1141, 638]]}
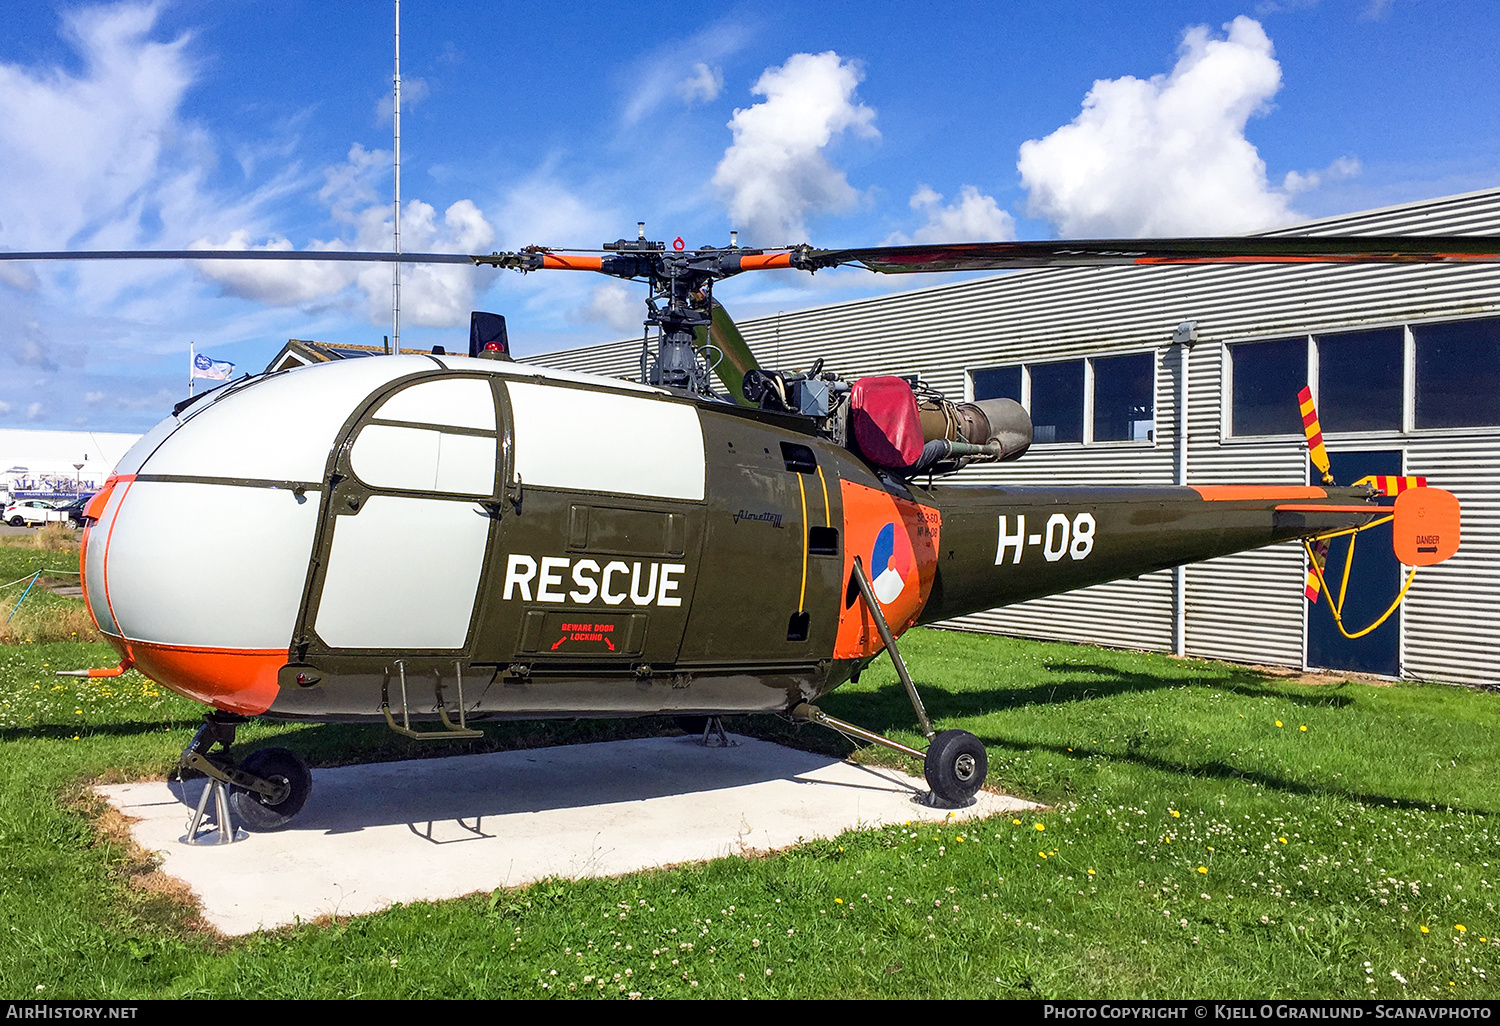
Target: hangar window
{"points": [[997, 383], [1057, 401], [1123, 390], [1458, 374], [1124, 398], [1265, 378], [1360, 380]]}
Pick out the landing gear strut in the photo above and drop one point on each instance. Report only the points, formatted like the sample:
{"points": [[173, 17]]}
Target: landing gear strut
{"points": [[264, 792], [710, 730], [955, 762]]}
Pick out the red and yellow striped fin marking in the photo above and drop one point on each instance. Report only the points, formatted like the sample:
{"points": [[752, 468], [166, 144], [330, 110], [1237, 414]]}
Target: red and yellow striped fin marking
{"points": [[1311, 589], [1386, 484], [1314, 583], [1313, 430]]}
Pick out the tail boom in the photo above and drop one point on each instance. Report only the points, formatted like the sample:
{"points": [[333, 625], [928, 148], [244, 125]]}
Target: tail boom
{"points": [[1007, 545]]}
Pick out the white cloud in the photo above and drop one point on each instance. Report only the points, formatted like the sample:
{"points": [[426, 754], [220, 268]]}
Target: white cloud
{"points": [[5, 408], [615, 304], [79, 151], [431, 295], [94, 398], [413, 91], [161, 399], [703, 85], [279, 284], [776, 173], [1166, 156], [30, 352], [19, 277], [96, 153], [974, 217], [1302, 181], [543, 211], [35, 411], [656, 77]]}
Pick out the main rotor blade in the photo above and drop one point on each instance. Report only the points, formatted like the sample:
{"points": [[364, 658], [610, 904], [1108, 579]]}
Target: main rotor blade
{"points": [[970, 256], [245, 254], [990, 256]]}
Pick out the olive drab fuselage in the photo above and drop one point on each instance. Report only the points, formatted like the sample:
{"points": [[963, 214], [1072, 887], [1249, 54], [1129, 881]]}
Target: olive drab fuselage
{"points": [[551, 544]]}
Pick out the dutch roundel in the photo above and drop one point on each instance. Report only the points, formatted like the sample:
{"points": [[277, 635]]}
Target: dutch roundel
{"points": [[891, 562]]}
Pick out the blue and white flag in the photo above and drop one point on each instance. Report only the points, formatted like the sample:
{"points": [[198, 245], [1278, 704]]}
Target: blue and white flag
{"points": [[218, 370]]}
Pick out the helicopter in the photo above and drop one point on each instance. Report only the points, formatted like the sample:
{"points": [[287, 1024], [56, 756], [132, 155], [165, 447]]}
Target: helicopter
{"points": [[434, 540]]}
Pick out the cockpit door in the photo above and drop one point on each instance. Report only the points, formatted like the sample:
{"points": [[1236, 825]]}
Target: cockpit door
{"points": [[410, 511]]}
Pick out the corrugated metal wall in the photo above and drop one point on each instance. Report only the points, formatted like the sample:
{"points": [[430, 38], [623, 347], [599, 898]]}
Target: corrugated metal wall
{"points": [[1246, 607]]}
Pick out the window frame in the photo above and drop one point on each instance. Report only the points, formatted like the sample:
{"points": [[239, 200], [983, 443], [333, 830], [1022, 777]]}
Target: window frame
{"points": [[1088, 441], [1410, 420], [1408, 377], [1129, 443], [1226, 386], [1408, 429]]}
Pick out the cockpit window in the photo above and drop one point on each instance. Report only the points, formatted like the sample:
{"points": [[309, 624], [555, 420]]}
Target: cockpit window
{"points": [[451, 402], [456, 456]]}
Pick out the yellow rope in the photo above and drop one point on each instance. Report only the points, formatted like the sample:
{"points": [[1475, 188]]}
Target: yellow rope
{"points": [[1336, 610]]}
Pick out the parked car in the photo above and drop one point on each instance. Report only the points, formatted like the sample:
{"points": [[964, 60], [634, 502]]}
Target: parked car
{"points": [[31, 513], [74, 509]]}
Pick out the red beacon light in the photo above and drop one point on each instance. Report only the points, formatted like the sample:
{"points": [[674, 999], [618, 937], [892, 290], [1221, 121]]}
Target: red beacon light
{"points": [[487, 336]]}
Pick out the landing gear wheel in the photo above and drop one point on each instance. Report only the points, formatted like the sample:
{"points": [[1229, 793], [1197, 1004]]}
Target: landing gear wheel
{"points": [[955, 766], [279, 766]]}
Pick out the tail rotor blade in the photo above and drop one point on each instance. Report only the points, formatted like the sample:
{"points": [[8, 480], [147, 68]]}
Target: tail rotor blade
{"points": [[1314, 432]]}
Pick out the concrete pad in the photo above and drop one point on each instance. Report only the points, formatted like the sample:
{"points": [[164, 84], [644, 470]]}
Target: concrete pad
{"points": [[430, 829]]}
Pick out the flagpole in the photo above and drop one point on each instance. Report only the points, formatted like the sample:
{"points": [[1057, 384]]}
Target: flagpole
{"points": [[396, 220], [192, 357]]}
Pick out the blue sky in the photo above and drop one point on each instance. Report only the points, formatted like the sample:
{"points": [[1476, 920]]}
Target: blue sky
{"points": [[238, 123]]}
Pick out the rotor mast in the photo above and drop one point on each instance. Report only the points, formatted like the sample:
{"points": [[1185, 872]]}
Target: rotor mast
{"points": [[680, 300]]}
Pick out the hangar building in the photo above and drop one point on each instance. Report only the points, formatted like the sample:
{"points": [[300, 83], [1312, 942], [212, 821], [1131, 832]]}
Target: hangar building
{"points": [[1178, 375]]}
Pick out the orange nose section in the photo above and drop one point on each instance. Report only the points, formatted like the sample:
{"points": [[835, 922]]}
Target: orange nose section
{"points": [[237, 681]]}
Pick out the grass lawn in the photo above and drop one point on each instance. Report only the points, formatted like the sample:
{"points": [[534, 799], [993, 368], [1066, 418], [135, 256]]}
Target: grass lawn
{"points": [[1212, 832]]}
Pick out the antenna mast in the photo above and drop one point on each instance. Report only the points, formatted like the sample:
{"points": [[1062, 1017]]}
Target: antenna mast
{"points": [[396, 267]]}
